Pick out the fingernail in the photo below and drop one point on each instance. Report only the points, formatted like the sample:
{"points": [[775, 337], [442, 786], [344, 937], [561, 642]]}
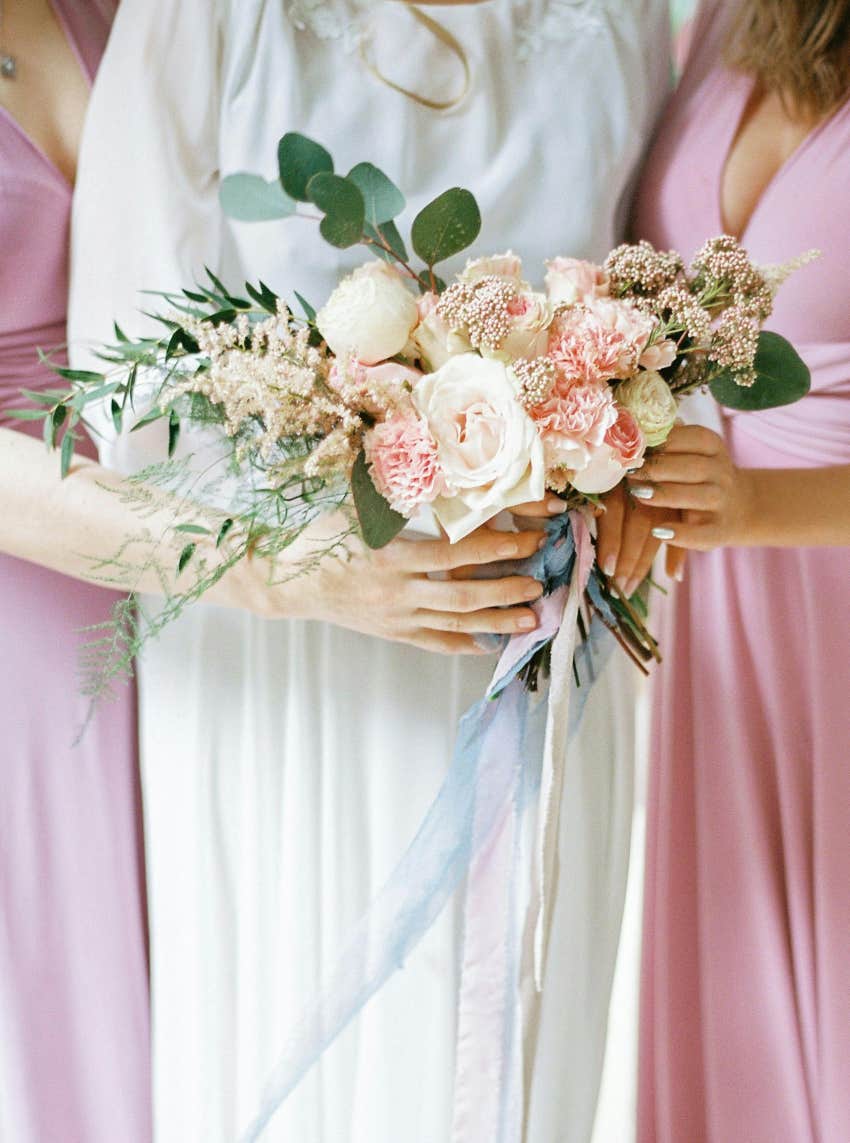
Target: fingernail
{"points": [[556, 506], [679, 575], [663, 533], [510, 549], [526, 623], [643, 492], [610, 565], [631, 587]]}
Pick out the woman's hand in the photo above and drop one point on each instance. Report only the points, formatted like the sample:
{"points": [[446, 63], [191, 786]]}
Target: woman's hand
{"points": [[693, 475], [625, 546], [390, 593]]}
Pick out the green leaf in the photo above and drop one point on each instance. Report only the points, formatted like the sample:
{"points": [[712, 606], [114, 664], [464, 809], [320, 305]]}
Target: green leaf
{"points": [[185, 556], [309, 312], [299, 159], [117, 415], [192, 529], [222, 532], [782, 378], [180, 339], [264, 297], [388, 232], [250, 198], [67, 453], [384, 201], [446, 226], [84, 376], [343, 207], [173, 432], [379, 523], [26, 414], [154, 414]]}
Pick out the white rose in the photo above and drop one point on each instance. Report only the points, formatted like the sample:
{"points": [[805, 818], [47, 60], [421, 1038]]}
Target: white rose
{"points": [[432, 339], [369, 315], [489, 448], [648, 398], [508, 265], [531, 316]]}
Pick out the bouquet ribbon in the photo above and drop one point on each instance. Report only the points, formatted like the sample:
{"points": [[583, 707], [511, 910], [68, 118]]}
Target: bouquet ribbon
{"points": [[509, 758]]}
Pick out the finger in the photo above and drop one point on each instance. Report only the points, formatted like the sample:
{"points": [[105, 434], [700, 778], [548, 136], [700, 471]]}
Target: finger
{"points": [[483, 546], [699, 497], [637, 526], [495, 621], [550, 506], [693, 438], [643, 565], [681, 467], [674, 562], [445, 643], [473, 595], [609, 528], [699, 537]]}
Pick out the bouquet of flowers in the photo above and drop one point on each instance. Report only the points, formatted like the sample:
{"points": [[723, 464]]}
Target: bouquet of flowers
{"points": [[404, 397], [403, 394]]}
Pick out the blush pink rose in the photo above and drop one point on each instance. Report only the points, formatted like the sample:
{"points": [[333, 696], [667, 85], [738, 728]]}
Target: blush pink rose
{"points": [[626, 438], [573, 421], [572, 280], [405, 465]]}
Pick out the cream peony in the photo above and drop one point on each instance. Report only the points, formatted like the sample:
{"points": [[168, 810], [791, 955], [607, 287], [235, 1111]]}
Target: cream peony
{"points": [[490, 453], [508, 266], [432, 339], [648, 398], [369, 315]]}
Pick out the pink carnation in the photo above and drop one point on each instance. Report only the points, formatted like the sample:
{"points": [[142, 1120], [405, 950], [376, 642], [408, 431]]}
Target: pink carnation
{"points": [[405, 466], [601, 339], [573, 420]]}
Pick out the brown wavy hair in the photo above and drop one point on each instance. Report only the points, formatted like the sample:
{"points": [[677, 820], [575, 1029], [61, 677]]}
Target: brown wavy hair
{"points": [[799, 48]]}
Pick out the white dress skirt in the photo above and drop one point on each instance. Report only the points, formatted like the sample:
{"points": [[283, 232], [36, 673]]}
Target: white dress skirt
{"points": [[287, 765]]}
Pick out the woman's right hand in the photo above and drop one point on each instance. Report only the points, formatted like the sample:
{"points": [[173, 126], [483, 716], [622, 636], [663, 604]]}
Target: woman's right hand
{"points": [[390, 593]]}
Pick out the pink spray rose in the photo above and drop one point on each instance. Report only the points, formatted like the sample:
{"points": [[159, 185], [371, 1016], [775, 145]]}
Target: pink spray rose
{"points": [[405, 466], [622, 449], [571, 280]]}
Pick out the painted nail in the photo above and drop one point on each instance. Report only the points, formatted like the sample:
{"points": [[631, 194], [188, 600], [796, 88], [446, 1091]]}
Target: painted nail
{"points": [[679, 575], [610, 565], [526, 623], [664, 533], [510, 549], [556, 506], [643, 492]]}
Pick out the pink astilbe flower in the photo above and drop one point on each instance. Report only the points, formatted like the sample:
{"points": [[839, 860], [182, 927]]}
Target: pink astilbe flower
{"points": [[573, 420], [405, 465]]}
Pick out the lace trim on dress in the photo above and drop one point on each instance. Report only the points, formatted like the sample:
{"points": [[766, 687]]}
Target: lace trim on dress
{"points": [[540, 22]]}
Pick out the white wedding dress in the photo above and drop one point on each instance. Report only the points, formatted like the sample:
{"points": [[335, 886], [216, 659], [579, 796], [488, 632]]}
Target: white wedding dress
{"points": [[287, 765]]}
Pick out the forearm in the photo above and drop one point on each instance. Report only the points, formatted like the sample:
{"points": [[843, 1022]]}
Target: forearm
{"points": [[83, 526], [801, 507]]}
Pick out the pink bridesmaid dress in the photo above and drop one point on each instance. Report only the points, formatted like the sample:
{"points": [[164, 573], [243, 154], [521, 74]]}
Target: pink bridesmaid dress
{"points": [[74, 1062], [745, 1024]]}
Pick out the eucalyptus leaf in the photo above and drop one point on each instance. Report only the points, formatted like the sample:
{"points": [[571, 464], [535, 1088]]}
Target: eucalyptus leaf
{"points": [[387, 233], [782, 377], [25, 414], [343, 206], [299, 159], [66, 454], [446, 226], [250, 198], [379, 523], [384, 201], [192, 529]]}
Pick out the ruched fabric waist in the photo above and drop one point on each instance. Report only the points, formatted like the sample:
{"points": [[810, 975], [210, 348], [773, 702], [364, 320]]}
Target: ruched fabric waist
{"points": [[813, 432], [20, 367]]}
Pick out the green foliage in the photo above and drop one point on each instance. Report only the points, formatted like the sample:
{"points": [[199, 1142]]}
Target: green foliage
{"points": [[343, 207], [384, 201], [782, 378], [446, 226], [388, 243], [379, 523], [251, 198], [299, 160]]}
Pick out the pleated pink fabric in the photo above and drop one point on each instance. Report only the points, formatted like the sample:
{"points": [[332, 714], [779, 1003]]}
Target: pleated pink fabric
{"points": [[74, 1034], [745, 1023]]}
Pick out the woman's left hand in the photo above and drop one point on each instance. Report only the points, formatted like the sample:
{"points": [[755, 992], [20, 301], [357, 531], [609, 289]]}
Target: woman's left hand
{"points": [[693, 473]]}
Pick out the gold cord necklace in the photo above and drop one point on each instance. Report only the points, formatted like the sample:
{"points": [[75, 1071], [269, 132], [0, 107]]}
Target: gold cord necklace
{"points": [[445, 37]]}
